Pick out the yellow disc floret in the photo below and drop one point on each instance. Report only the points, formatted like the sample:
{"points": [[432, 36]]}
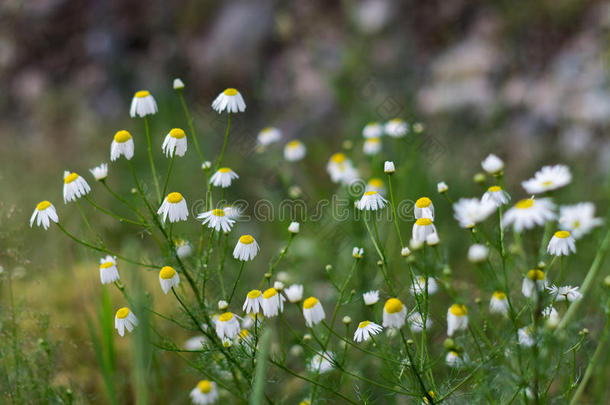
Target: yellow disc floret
{"points": [[525, 204], [204, 386], [43, 205], [142, 94], [423, 202], [535, 274], [174, 198], [230, 92], [254, 294], [392, 306], [310, 302], [338, 158], [271, 292], [372, 192], [122, 136], [423, 221], [375, 182], [167, 272], [177, 133], [562, 234], [105, 265], [499, 295], [494, 189], [224, 170], [458, 310], [293, 144], [246, 239], [227, 316], [363, 324], [70, 178], [122, 313], [218, 213]]}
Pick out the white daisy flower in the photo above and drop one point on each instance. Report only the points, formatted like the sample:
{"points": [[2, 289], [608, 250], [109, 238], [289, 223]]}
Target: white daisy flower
{"points": [[375, 184], [227, 326], [492, 164], [216, 219], [416, 322], [372, 130], [100, 172], [551, 314], [565, 293], [365, 330], [422, 228], [419, 285], [205, 393], [294, 151], [526, 337], [578, 218], [496, 195], [442, 187], [268, 135], [478, 253], [278, 285], [43, 214], [371, 146], [321, 363], [74, 187], [455, 360], [230, 101], [246, 248], [223, 177], [294, 227], [388, 167], [168, 278], [528, 213], [174, 143], [124, 319], [371, 201], [498, 304], [396, 128], [533, 279], [174, 206], [423, 208], [470, 211], [405, 252], [561, 244], [273, 302], [253, 302], [313, 312], [341, 169], [142, 104], [122, 144], [178, 84], [457, 319], [183, 248], [357, 253], [109, 273], [370, 297], [548, 178], [294, 293], [394, 313], [232, 212], [195, 343], [433, 239]]}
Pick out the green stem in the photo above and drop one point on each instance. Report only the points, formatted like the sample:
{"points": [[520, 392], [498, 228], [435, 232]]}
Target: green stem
{"points": [[152, 162], [189, 120], [87, 224], [395, 217], [224, 144], [169, 171], [113, 215], [241, 268]]}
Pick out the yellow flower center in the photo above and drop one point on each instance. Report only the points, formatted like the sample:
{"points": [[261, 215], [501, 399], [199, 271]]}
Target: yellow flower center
{"points": [[562, 234], [423, 221], [105, 265], [494, 189], [338, 158], [375, 182], [224, 170], [372, 192], [244, 334], [204, 386], [458, 310], [230, 92], [122, 136], [218, 213], [423, 202], [499, 295], [363, 324], [142, 94], [525, 204], [43, 205], [122, 313], [310, 302], [547, 183], [373, 140], [177, 133], [305, 402], [70, 178], [267, 129], [167, 272], [293, 144], [396, 121], [254, 294], [393, 305], [271, 292], [246, 239], [227, 316], [535, 274], [174, 198]]}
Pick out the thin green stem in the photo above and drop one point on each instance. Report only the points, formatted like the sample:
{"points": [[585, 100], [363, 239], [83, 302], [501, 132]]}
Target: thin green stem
{"points": [[150, 158], [224, 144], [169, 171], [113, 215], [189, 120], [394, 216], [241, 269]]}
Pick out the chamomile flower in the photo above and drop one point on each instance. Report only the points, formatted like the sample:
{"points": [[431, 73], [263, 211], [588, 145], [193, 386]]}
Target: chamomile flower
{"points": [[217, 219], [183, 248], [534, 279], [313, 312], [433, 239], [365, 330], [273, 302], [357, 253], [122, 144], [470, 211], [394, 313], [195, 343], [100, 172], [561, 244], [422, 228], [174, 206], [423, 208], [371, 146], [498, 304], [455, 359], [372, 130], [457, 318], [142, 104], [442, 187], [548, 178], [578, 218], [416, 322], [124, 319], [230, 101], [232, 212], [294, 227], [108, 270], [492, 164], [419, 285], [341, 169], [178, 84], [205, 393], [174, 143], [396, 128], [253, 303], [294, 293], [294, 151], [321, 363], [526, 336], [528, 213], [268, 135], [551, 314], [496, 195], [371, 201], [370, 297], [227, 326], [75, 187], [478, 253], [375, 184], [223, 177], [168, 278], [565, 293], [43, 214], [389, 167], [246, 248]]}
